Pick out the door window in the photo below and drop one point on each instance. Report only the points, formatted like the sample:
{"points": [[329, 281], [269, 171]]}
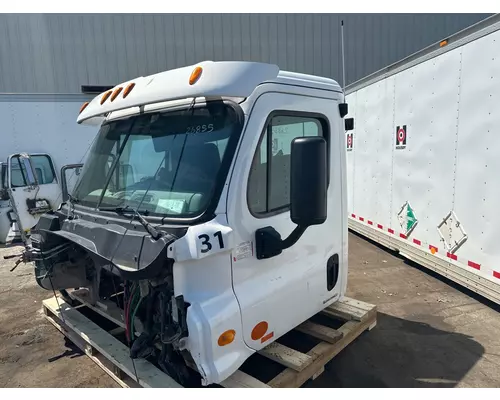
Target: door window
{"points": [[43, 168], [269, 180]]}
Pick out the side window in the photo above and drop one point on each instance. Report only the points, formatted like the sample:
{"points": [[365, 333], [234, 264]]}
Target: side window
{"points": [[43, 169], [269, 180]]}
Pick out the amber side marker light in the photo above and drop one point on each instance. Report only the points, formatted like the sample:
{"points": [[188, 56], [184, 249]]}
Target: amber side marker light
{"points": [[443, 43], [128, 89], [195, 75], [105, 97], [259, 330], [116, 93], [83, 107], [226, 338]]}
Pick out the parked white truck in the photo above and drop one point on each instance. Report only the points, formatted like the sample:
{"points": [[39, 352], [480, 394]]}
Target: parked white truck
{"points": [[42, 126], [213, 206], [423, 161]]}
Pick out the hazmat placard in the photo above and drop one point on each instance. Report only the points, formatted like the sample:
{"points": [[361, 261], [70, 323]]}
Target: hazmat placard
{"points": [[407, 219]]}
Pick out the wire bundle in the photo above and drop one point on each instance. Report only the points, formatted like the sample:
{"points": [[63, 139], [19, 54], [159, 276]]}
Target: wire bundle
{"points": [[131, 305]]}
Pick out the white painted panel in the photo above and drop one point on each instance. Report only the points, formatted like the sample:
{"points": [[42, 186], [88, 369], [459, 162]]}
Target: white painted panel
{"points": [[373, 151], [478, 182], [423, 172], [45, 127]]}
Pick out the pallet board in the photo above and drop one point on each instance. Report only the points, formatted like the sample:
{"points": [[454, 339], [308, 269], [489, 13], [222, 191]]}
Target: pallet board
{"points": [[95, 342], [353, 317]]}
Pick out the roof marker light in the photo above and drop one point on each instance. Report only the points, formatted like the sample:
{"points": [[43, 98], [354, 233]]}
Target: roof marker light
{"points": [[116, 93], [105, 97], [83, 107], [195, 75], [128, 89]]}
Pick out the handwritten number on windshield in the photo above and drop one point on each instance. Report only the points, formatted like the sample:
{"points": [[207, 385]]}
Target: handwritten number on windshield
{"points": [[200, 128]]}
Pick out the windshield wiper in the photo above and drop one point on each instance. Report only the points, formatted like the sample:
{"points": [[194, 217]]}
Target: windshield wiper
{"points": [[122, 210]]}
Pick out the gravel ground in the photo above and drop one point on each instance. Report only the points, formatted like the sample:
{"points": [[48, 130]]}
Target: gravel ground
{"points": [[430, 332]]}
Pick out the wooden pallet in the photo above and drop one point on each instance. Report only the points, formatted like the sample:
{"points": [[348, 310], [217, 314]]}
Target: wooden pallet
{"points": [[297, 366]]}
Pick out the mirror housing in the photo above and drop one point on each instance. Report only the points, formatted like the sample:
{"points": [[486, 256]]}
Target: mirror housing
{"points": [[308, 189], [349, 124], [64, 180], [308, 195]]}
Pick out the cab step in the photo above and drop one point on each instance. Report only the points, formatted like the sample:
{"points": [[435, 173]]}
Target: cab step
{"points": [[290, 362]]}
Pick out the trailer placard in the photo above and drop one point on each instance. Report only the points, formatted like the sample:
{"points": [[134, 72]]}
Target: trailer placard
{"points": [[350, 140], [400, 137]]}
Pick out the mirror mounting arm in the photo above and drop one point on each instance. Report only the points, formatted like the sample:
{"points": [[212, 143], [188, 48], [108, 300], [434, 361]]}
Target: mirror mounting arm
{"points": [[269, 244]]}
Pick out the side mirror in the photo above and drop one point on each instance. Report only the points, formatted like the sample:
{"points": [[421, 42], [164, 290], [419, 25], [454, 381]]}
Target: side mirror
{"points": [[308, 189], [308, 196], [66, 189]]}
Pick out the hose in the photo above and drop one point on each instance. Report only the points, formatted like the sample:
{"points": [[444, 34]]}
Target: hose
{"points": [[133, 314]]}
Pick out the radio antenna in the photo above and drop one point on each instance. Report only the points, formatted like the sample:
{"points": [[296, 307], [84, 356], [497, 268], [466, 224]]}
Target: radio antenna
{"points": [[343, 56]]}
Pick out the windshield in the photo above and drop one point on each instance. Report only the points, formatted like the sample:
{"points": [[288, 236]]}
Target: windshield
{"points": [[163, 163]]}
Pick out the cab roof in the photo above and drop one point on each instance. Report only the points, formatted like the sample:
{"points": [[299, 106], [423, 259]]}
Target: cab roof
{"points": [[211, 80]]}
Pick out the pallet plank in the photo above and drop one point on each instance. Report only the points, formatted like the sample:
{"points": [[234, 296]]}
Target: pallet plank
{"points": [[322, 354], [107, 308], [107, 345], [320, 332], [116, 331], [358, 304], [242, 380], [286, 356], [344, 311], [98, 358]]}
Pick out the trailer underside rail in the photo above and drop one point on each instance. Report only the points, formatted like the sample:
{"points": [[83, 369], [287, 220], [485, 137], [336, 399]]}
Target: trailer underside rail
{"points": [[441, 266], [289, 362]]}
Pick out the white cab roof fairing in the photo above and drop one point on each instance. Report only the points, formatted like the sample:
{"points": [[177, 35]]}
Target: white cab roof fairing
{"points": [[235, 79], [218, 79]]}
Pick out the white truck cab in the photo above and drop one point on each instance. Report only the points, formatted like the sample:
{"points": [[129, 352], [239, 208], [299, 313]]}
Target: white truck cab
{"points": [[215, 197]]}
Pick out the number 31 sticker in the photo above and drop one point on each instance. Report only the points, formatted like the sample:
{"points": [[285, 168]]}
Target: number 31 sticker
{"points": [[202, 241], [207, 245]]}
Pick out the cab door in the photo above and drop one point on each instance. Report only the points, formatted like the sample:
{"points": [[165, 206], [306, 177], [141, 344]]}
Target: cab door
{"points": [[278, 293], [33, 188]]}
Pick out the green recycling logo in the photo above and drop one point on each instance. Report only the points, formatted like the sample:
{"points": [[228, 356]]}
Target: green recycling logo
{"points": [[407, 218], [410, 218]]}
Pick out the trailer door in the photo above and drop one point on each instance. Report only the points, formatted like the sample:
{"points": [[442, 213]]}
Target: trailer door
{"points": [[33, 188]]}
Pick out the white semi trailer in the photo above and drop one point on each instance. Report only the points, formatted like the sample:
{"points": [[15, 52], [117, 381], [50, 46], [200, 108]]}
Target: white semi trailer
{"points": [[423, 160]]}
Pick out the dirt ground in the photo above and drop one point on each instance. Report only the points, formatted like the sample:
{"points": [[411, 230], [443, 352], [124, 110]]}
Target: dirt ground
{"points": [[430, 332]]}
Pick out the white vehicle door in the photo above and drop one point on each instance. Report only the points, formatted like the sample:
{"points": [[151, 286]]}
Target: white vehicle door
{"points": [[278, 293], [33, 188]]}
